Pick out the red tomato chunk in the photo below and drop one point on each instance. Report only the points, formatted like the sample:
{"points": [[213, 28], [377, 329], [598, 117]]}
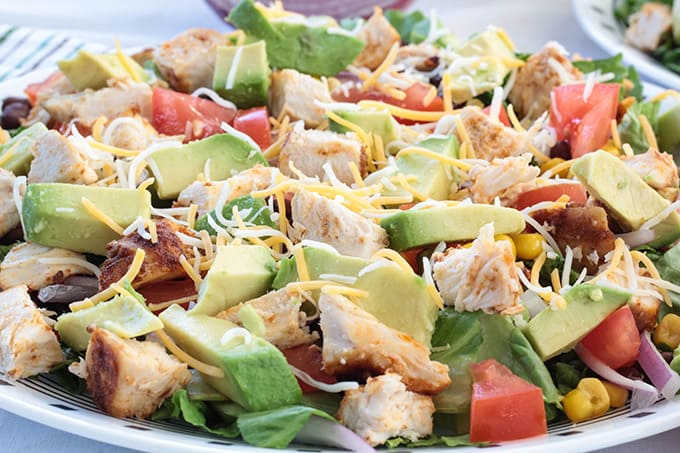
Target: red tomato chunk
{"points": [[616, 340]]}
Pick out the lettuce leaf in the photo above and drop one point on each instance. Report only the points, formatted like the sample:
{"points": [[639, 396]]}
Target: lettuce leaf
{"points": [[278, 427], [433, 440], [615, 66], [630, 128], [196, 413], [414, 27]]}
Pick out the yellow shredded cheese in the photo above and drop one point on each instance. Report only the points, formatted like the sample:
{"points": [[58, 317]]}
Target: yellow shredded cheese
{"points": [[619, 246], [446, 92], [401, 179], [393, 256], [97, 128], [615, 134], [99, 215], [116, 151], [194, 363], [429, 97], [664, 94], [436, 156], [378, 151], [145, 184], [125, 62], [191, 215], [207, 243], [562, 166], [415, 115], [464, 137], [648, 131], [193, 275], [536, 269], [163, 305], [301, 264], [153, 231], [355, 174], [384, 66], [343, 290], [651, 268], [513, 119], [555, 280]]}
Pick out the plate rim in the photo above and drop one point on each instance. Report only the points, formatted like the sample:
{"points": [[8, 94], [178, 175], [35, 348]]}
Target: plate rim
{"points": [[591, 13]]}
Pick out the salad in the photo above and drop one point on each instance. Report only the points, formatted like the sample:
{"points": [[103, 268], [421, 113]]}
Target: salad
{"points": [[356, 233], [653, 27]]}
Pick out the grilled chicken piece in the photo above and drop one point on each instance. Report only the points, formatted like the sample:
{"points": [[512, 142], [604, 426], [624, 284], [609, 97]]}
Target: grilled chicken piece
{"points": [[379, 36], [658, 170], [647, 27], [37, 266], [56, 160], [9, 216], [321, 219], [584, 229], [355, 342], [504, 178], [161, 261], [204, 194], [490, 138], [383, 409], [309, 150], [285, 324], [187, 61], [482, 277], [544, 70], [28, 345], [130, 378], [295, 94], [121, 99]]}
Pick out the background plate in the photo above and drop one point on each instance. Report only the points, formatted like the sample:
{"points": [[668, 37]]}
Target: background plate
{"points": [[597, 20]]}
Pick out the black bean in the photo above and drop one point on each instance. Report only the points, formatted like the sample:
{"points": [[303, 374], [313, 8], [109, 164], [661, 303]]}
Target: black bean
{"points": [[14, 100], [562, 150], [12, 115]]}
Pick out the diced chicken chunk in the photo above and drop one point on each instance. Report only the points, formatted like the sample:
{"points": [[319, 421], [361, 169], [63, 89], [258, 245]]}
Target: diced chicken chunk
{"points": [[187, 61], [481, 277], [130, 378], [118, 100], [9, 216], [205, 194], [503, 178], [161, 260], [294, 94], [490, 138], [584, 229], [37, 266], [133, 133], [285, 324], [383, 409], [544, 70], [657, 169], [56, 160], [355, 342], [379, 36], [321, 219], [28, 345], [309, 150], [647, 26]]}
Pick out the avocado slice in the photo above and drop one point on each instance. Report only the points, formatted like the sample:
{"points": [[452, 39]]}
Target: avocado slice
{"points": [[552, 332], [379, 122], [259, 214], [310, 46], [434, 177], [398, 299], [239, 273], [676, 20], [88, 70], [242, 74], [16, 155], [470, 80], [176, 168], [123, 315], [628, 198], [414, 228], [668, 131], [54, 215], [256, 374]]}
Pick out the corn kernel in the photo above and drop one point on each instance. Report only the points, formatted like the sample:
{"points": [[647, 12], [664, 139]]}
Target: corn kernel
{"points": [[505, 237], [528, 245], [668, 331], [588, 400], [617, 395], [553, 163]]}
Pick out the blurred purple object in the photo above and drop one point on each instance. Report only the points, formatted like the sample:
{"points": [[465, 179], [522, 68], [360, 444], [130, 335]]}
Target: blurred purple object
{"points": [[335, 8]]}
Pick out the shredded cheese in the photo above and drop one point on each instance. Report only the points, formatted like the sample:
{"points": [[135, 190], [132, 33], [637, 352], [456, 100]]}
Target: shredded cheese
{"points": [[126, 63], [72, 261], [436, 156], [615, 134], [644, 259], [555, 280], [329, 388], [193, 275], [102, 217], [536, 269], [393, 256], [343, 291], [191, 215], [446, 93], [384, 66], [194, 363], [301, 264], [163, 305], [648, 131], [415, 115]]}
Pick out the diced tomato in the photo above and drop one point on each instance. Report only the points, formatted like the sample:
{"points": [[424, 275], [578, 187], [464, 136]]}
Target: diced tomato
{"points": [[585, 124], [502, 115], [413, 258], [307, 358], [255, 123], [616, 340], [33, 90], [504, 406], [415, 99], [171, 111], [575, 191], [156, 293]]}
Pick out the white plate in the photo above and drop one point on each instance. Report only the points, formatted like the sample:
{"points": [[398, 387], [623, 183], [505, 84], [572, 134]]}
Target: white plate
{"points": [[597, 20], [42, 400]]}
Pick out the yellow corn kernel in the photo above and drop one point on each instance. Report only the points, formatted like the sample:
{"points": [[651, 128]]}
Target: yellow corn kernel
{"points": [[467, 245], [529, 245], [668, 331], [617, 395], [588, 400], [505, 237], [610, 147], [553, 163]]}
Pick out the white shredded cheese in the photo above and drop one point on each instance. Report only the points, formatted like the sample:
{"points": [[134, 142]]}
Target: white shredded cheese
{"points": [[245, 137], [234, 68], [344, 279], [216, 98], [660, 217], [376, 265], [328, 388], [319, 245], [236, 333]]}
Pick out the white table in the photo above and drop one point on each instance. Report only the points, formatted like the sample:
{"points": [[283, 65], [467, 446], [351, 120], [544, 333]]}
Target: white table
{"points": [[140, 22]]}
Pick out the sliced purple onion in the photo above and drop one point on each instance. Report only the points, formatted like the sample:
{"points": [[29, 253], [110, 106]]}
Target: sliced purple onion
{"points": [[637, 238], [660, 373], [644, 395], [321, 431]]}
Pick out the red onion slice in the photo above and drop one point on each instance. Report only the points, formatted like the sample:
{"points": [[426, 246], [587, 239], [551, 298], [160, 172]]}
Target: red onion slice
{"points": [[637, 238], [321, 431], [660, 373]]}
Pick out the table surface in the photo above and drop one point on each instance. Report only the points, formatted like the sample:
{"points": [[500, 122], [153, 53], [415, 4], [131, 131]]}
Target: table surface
{"points": [[134, 23]]}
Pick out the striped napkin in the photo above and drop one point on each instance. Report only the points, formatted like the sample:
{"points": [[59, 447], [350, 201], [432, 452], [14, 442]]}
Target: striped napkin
{"points": [[23, 49]]}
